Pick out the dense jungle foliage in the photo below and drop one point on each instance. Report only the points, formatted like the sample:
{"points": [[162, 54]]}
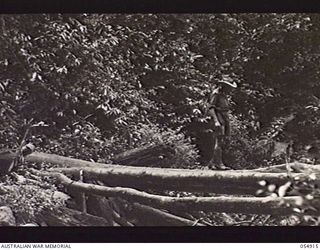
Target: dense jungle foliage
{"points": [[101, 84], [107, 83]]}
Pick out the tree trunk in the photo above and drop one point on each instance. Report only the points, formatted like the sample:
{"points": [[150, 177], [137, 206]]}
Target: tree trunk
{"points": [[143, 178], [246, 205], [207, 181]]}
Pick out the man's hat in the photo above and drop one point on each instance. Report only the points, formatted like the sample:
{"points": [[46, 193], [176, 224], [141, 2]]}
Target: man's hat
{"points": [[229, 83], [224, 79]]}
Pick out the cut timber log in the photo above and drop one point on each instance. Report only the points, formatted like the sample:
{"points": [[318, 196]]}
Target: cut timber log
{"points": [[142, 178], [222, 182], [245, 205]]}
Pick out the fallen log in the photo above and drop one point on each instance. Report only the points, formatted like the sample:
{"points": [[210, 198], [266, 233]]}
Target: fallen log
{"points": [[142, 178], [222, 182], [227, 204]]}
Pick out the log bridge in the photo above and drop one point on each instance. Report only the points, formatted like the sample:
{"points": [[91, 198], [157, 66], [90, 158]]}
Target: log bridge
{"points": [[152, 190]]}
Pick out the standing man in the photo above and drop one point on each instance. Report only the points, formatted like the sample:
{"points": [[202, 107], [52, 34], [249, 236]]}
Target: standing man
{"points": [[219, 107]]}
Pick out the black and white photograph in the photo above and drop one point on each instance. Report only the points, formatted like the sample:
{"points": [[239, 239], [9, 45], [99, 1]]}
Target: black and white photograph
{"points": [[159, 120]]}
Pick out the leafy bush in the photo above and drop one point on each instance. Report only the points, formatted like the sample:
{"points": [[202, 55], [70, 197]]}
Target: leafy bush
{"points": [[307, 208], [84, 141], [242, 151], [20, 196]]}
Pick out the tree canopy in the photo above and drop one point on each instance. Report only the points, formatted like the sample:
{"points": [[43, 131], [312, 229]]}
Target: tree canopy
{"points": [[104, 83]]}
